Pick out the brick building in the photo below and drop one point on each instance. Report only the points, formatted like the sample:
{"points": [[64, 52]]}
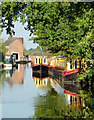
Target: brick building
{"points": [[15, 47]]}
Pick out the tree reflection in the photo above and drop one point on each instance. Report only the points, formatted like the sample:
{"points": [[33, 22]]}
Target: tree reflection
{"points": [[49, 106]]}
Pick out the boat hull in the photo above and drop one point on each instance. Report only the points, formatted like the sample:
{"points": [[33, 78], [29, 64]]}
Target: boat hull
{"points": [[39, 67]]}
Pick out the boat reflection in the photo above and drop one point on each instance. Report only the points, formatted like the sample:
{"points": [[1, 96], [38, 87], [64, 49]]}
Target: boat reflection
{"points": [[40, 83], [40, 80], [71, 98], [14, 75]]}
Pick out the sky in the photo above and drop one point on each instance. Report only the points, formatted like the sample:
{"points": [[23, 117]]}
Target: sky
{"points": [[20, 32]]}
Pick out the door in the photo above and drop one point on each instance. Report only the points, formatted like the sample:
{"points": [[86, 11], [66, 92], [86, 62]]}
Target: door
{"points": [[15, 55]]}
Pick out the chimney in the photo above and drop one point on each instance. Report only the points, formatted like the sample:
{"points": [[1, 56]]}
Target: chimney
{"points": [[10, 36]]}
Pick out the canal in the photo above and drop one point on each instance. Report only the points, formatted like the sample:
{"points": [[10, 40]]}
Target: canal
{"points": [[26, 95]]}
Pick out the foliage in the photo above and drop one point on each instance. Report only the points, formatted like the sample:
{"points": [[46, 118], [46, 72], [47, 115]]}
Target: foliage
{"points": [[3, 48], [55, 25], [60, 28], [25, 52], [36, 51], [53, 106]]}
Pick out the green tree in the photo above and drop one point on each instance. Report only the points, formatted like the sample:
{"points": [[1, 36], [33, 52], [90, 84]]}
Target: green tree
{"points": [[25, 52], [61, 28], [3, 48]]}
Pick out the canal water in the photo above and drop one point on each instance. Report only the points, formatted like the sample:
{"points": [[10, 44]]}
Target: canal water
{"points": [[25, 95]]}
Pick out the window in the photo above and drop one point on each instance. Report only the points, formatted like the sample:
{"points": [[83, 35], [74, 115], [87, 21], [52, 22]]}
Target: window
{"points": [[71, 98], [79, 63], [80, 101], [75, 64], [44, 60], [70, 64], [36, 60], [39, 60]]}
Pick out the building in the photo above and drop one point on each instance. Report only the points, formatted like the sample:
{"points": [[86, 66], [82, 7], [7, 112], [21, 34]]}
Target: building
{"points": [[15, 47]]}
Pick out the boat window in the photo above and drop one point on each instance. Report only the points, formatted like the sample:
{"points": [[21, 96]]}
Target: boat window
{"points": [[79, 63], [80, 101], [70, 64], [39, 60], [75, 64], [36, 60], [71, 100], [44, 60]]}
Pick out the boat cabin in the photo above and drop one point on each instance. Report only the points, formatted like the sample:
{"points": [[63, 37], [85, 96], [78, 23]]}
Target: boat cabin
{"points": [[40, 60], [68, 65]]}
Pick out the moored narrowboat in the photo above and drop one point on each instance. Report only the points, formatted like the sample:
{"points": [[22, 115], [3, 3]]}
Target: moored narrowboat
{"points": [[40, 63], [73, 66], [65, 65]]}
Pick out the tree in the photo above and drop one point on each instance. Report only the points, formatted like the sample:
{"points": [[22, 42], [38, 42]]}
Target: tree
{"points": [[60, 28], [55, 26], [25, 52], [3, 49]]}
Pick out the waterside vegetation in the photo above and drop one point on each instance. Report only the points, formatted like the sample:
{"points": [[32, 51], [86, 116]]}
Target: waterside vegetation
{"points": [[62, 29]]}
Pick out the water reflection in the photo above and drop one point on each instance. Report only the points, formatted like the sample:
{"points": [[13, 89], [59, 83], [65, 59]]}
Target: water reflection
{"points": [[26, 94], [40, 83], [71, 98], [17, 96], [14, 75], [57, 101]]}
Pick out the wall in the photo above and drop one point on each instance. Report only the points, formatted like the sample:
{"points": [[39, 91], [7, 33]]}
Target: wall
{"points": [[16, 47]]}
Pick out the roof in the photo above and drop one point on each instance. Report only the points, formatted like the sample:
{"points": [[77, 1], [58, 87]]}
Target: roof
{"points": [[10, 40]]}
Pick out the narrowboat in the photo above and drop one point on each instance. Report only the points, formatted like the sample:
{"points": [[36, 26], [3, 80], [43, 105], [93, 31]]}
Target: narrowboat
{"points": [[63, 65], [40, 63], [73, 66], [66, 66]]}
